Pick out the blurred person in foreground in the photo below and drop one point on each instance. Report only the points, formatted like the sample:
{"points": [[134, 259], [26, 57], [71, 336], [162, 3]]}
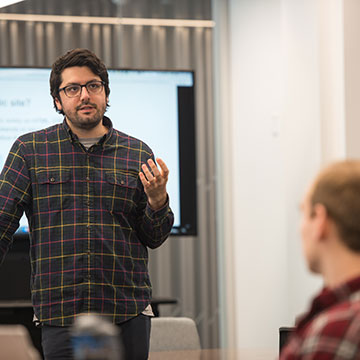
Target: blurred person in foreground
{"points": [[330, 232], [95, 201]]}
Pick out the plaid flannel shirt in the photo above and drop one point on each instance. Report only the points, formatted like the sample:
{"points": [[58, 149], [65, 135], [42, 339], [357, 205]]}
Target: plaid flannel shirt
{"points": [[90, 223], [331, 329]]}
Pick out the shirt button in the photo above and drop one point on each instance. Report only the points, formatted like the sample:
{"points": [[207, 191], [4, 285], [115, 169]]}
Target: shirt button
{"points": [[122, 182], [52, 179], [87, 178]]}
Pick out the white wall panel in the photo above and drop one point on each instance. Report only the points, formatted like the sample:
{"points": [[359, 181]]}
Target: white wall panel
{"points": [[280, 65]]}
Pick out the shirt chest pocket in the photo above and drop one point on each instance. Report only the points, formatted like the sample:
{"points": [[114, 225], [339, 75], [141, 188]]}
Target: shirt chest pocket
{"points": [[121, 192], [53, 188]]}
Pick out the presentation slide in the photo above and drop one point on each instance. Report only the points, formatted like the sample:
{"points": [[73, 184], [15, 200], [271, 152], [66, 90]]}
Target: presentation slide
{"points": [[143, 104]]}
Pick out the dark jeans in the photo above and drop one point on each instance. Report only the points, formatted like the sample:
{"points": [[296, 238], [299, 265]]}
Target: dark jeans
{"points": [[134, 338]]}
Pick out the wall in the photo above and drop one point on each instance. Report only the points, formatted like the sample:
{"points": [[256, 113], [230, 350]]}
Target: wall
{"points": [[286, 119], [314, 106], [352, 76], [259, 148]]}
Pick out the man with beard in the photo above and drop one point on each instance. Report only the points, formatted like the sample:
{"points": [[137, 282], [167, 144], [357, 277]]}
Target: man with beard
{"points": [[330, 232], [95, 201]]}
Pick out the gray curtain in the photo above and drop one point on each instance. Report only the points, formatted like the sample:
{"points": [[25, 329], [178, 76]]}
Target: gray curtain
{"points": [[184, 267]]}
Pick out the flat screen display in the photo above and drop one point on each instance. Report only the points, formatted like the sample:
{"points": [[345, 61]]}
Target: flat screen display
{"points": [[154, 106]]}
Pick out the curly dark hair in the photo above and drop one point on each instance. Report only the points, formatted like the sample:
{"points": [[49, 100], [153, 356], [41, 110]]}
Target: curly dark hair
{"points": [[76, 57]]}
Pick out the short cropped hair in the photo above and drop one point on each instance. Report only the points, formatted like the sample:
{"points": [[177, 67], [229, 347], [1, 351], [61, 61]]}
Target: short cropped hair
{"points": [[337, 188], [76, 57]]}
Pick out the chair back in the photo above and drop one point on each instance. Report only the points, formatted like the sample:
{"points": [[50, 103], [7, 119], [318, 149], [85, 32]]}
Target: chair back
{"points": [[15, 344], [173, 333]]}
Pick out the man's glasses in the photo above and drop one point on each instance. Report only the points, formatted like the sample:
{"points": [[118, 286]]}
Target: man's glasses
{"points": [[92, 87]]}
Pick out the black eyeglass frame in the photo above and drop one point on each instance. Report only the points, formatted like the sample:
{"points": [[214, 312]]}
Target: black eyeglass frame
{"points": [[81, 87]]}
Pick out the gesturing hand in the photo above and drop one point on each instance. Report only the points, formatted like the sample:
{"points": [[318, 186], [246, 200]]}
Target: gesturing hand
{"points": [[154, 182]]}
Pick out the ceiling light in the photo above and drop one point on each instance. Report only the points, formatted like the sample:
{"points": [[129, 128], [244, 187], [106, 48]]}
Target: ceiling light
{"points": [[108, 20], [4, 3]]}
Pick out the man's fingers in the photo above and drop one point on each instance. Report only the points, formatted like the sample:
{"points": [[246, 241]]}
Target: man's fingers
{"points": [[143, 179], [146, 171], [154, 168], [164, 168], [151, 173]]}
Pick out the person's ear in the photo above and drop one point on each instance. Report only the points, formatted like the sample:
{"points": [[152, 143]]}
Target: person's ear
{"points": [[321, 220], [58, 104]]}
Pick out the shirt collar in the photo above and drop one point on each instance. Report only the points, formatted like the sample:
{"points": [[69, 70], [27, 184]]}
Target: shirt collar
{"points": [[106, 122]]}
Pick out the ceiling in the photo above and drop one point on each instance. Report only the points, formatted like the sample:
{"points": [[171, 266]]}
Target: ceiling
{"points": [[170, 9]]}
